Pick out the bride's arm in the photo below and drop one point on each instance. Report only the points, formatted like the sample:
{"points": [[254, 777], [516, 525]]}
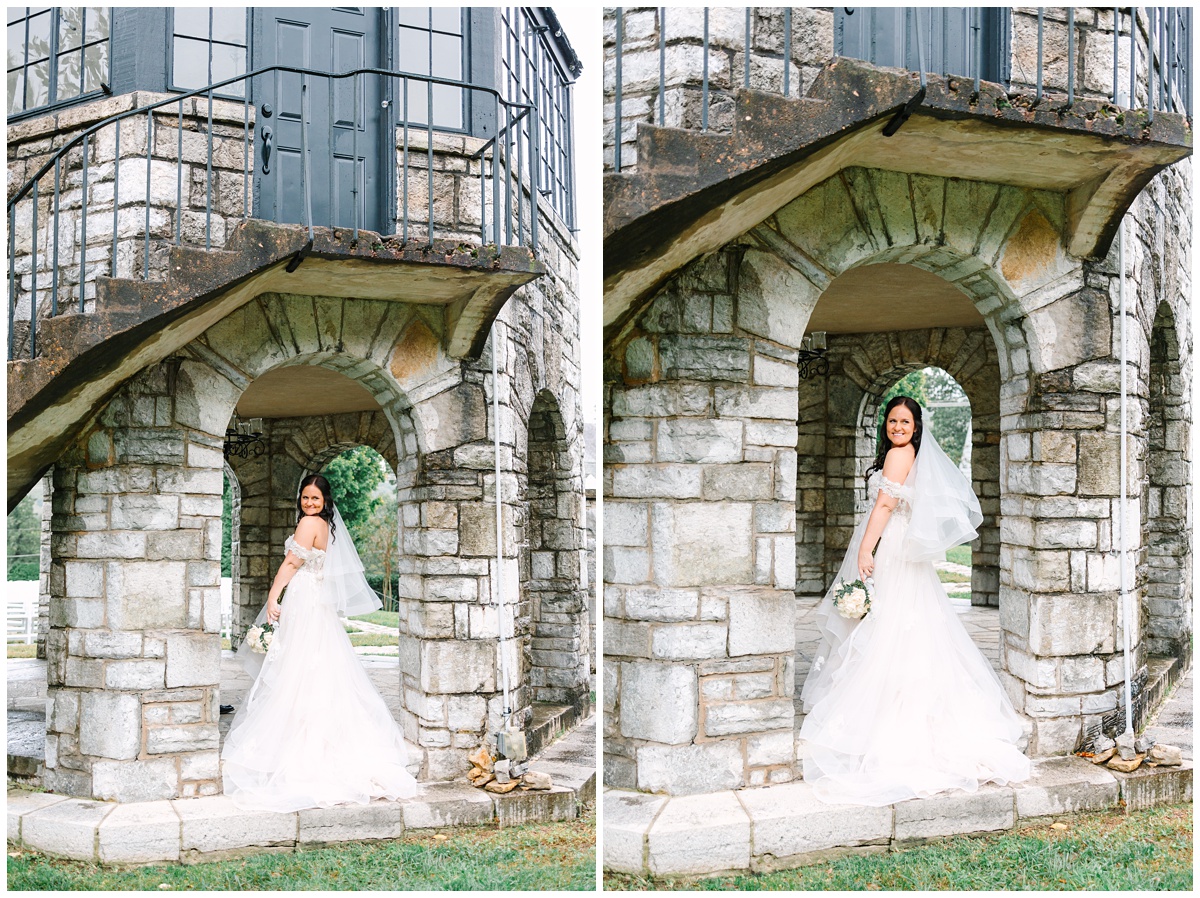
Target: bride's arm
{"points": [[895, 469], [306, 534]]}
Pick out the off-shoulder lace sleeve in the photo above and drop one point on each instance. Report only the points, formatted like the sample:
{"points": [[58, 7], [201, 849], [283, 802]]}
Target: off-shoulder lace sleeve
{"points": [[300, 551], [895, 490]]}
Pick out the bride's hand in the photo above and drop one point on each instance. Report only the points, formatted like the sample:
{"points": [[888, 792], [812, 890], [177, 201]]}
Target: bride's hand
{"points": [[272, 611], [866, 563]]}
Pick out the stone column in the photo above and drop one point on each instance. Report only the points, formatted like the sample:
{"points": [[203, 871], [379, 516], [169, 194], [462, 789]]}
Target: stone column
{"points": [[134, 644], [43, 623], [699, 531]]}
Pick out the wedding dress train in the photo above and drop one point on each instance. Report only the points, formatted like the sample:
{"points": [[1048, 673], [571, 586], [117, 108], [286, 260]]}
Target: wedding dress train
{"points": [[903, 704], [313, 731]]}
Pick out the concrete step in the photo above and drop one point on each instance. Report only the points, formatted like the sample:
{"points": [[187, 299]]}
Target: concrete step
{"points": [[778, 827]]}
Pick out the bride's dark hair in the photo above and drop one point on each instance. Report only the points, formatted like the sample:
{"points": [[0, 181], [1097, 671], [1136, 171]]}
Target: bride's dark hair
{"points": [[884, 443], [326, 512]]}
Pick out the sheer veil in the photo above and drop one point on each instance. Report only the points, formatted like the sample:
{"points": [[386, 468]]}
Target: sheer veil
{"points": [[344, 581]]}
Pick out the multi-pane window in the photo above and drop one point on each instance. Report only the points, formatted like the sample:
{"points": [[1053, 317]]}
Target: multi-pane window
{"points": [[208, 44], [430, 42], [533, 73], [55, 54]]}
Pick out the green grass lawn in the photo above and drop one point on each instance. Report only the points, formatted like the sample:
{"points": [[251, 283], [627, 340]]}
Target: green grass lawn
{"points": [[382, 618], [1148, 850], [537, 856], [951, 577], [959, 555], [373, 639]]}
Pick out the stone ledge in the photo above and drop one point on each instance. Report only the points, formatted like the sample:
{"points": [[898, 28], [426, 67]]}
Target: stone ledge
{"points": [[196, 830], [778, 827]]}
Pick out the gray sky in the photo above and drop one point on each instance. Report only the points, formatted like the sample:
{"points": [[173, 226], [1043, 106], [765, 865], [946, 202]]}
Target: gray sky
{"points": [[583, 29]]}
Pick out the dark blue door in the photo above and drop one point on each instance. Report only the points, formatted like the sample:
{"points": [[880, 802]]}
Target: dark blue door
{"points": [[952, 37], [346, 149]]}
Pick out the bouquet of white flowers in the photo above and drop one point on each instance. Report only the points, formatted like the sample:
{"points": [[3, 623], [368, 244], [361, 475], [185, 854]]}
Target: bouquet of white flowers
{"points": [[853, 599], [259, 637]]}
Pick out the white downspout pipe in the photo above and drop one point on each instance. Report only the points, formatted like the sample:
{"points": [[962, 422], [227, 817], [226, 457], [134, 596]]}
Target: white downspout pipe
{"points": [[1123, 513], [503, 621]]}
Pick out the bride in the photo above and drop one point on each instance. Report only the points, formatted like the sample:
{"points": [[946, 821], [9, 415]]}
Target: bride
{"points": [[314, 731], [902, 704]]}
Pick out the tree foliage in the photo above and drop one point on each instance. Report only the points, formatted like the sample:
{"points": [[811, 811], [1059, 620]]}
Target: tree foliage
{"points": [[354, 475], [227, 528], [24, 538], [933, 388]]}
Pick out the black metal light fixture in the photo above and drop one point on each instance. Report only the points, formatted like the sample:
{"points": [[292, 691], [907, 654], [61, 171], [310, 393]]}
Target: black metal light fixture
{"points": [[244, 438], [813, 361]]}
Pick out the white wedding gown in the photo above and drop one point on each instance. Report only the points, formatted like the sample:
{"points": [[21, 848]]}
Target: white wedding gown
{"points": [[902, 704], [313, 731]]}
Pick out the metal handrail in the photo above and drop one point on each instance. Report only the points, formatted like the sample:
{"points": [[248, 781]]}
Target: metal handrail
{"points": [[496, 231], [1165, 32]]}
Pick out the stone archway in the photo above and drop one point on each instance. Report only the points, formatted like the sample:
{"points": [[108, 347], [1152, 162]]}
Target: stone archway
{"points": [[1164, 569], [553, 608]]}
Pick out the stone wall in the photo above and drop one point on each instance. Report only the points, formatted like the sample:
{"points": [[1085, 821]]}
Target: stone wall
{"points": [[135, 613], [118, 164]]}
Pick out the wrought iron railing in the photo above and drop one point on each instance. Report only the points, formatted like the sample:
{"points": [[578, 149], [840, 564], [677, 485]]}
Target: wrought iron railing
{"points": [[1157, 68], [86, 210]]}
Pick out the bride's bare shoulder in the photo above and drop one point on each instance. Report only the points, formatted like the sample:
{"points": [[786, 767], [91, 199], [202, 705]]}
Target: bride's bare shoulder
{"points": [[312, 532], [898, 461]]}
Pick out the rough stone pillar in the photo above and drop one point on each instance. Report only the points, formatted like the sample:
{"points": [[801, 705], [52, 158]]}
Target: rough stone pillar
{"points": [[43, 624], [699, 532], [135, 616]]}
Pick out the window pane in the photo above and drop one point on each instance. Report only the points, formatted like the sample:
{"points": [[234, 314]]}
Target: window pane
{"points": [[229, 24], [418, 93], [226, 63], [70, 28], [37, 85], [68, 75], [191, 63], [16, 45], [97, 23], [447, 18], [447, 106], [414, 52], [39, 37], [416, 16], [95, 66], [16, 91], [16, 14], [447, 56], [193, 21]]}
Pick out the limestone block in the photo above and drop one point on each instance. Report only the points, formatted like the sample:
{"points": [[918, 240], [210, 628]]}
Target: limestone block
{"points": [[623, 638], [699, 834], [1059, 341], [134, 675], [661, 604], [109, 725], [457, 666], [146, 595], [654, 482], [988, 810], [20, 803], [744, 481], [556, 803], [466, 712], [1066, 785], [698, 544], [66, 828], [146, 780], [215, 823], [789, 821], [756, 402], [768, 749], [350, 823], [439, 805], [139, 833], [1084, 673], [734, 718], [688, 641], [200, 765], [111, 545], [85, 579], [658, 702], [193, 659], [774, 300], [1072, 624], [662, 401], [145, 512], [623, 564], [453, 417], [692, 440], [106, 644], [761, 621], [65, 714], [476, 529], [1100, 464], [686, 357], [627, 818], [1055, 735], [170, 739]]}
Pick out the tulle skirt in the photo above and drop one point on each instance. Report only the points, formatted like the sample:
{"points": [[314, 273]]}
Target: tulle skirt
{"points": [[903, 704], [314, 731]]}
